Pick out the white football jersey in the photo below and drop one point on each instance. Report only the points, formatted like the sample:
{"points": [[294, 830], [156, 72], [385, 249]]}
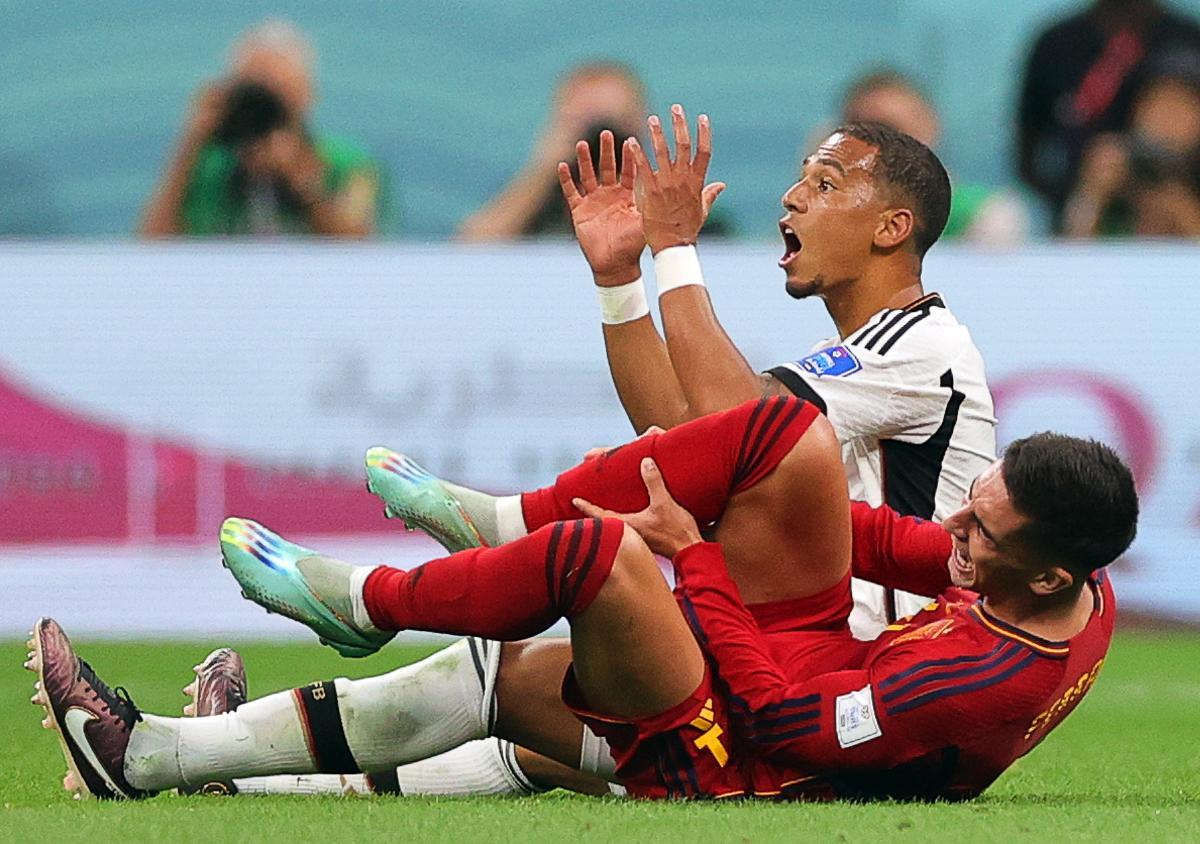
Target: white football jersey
{"points": [[908, 398]]}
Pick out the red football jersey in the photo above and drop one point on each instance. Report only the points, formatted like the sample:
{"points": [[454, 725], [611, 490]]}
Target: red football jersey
{"points": [[937, 707]]}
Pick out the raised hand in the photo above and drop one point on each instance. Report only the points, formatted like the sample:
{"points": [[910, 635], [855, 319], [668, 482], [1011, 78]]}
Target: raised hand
{"points": [[607, 222], [674, 200]]}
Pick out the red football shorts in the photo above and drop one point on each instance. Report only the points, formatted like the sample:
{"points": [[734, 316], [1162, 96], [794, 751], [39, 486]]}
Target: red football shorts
{"points": [[690, 750]]}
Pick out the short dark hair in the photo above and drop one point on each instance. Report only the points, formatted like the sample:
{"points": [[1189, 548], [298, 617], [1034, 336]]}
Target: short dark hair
{"points": [[1079, 498], [914, 171]]}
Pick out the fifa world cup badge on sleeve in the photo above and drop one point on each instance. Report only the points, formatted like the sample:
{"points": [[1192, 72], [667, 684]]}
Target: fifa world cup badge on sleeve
{"points": [[836, 360], [856, 721]]}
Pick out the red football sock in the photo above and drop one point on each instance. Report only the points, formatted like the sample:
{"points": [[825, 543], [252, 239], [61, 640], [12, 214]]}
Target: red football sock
{"points": [[509, 592], [703, 463]]}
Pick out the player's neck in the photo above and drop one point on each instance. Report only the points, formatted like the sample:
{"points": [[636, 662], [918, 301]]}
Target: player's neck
{"points": [[851, 305], [1043, 617]]}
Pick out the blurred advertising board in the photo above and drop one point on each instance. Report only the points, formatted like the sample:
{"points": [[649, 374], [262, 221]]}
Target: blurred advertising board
{"points": [[148, 391]]}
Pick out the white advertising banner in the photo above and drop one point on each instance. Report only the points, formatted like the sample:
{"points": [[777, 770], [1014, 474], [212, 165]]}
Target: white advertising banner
{"points": [[147, 391]]}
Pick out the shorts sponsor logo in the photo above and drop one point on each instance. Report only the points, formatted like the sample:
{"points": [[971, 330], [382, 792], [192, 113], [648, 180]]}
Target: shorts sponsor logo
{"points": [[856, 721], [710, 739], [836, 360]]}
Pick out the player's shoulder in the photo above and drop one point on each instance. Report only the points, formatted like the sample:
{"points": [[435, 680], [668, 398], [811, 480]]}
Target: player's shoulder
{"points": [[912, 344], [925, 331], [921, 325], [956, 661]]}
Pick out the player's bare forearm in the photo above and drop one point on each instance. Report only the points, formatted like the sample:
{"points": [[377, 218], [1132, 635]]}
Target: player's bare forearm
{"points": [[712, 372], [642, 373]]}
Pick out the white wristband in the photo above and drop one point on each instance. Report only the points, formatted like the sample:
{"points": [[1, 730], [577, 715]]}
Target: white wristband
{"points": [[623, 303], [677, 266]]}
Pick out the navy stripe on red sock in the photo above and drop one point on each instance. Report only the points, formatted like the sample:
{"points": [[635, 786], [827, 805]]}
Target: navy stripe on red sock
{"points": [[597, 528], [551, 553]]}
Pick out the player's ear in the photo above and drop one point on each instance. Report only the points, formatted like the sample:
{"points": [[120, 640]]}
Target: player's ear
{"points": [[896, 225], [1051, 580]]}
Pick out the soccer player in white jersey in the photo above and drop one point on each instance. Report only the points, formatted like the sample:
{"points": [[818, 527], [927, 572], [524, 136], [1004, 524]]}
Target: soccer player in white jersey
{"points": [[901, 382]]}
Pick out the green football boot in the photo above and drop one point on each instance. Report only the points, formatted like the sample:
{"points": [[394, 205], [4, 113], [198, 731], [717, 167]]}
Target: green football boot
{"points": [[285, 578], [411, 493]]}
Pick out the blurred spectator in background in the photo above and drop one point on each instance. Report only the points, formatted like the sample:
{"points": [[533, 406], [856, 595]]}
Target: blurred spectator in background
{"points": [[1146, 181], [977, 213], [593, 96], [1080, 81], [247, 163]]}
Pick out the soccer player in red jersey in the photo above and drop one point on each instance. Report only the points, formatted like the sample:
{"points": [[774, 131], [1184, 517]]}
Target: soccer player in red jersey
{"points": [[693, 697]]}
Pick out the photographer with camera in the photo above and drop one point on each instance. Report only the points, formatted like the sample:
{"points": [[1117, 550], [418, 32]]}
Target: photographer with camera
{"points": [[1145, 182], [247, 163], [593, 96]]}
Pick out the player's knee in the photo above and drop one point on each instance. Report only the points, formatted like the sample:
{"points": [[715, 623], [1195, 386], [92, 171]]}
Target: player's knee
{"points": [[818, 444], [634, 560]]}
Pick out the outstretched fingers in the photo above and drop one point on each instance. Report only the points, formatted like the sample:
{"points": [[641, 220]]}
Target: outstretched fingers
{"points": [[656, 487], [683, 140], [659, 142], [643, 171], [593, 511], [608, 159], [628, 163], [587, 174], [709, 194], [703, 146], [570, 192]]}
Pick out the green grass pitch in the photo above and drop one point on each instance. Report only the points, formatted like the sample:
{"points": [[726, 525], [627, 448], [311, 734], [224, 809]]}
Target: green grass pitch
{"points": [[1124, 767]]}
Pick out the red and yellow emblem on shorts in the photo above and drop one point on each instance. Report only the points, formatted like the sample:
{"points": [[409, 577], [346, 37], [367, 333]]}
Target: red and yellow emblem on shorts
{"points": [[711, 732]]}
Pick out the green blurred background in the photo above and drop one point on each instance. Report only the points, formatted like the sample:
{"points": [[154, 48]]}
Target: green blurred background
{"points": [[448, 95]]}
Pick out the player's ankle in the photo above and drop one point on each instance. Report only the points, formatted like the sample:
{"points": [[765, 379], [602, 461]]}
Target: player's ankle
{"points": [[340, 586]]}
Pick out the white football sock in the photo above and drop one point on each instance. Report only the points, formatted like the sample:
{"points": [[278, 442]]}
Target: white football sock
{"points": [[498, 518], [409, 714], [341, 784], [595, 756], [358, 605], [510, 519], [263, 736], [421, 710], [486, 766]]}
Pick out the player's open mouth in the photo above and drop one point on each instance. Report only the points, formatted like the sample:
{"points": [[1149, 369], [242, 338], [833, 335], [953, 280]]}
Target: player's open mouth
{"points": [[961, 567], [791, 244]]}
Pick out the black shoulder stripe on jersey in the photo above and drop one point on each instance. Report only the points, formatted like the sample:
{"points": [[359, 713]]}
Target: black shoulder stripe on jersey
{"points": [[900, 332], [911, 471], [893, 330], [888, 325], [798, 386], [857, 336]]}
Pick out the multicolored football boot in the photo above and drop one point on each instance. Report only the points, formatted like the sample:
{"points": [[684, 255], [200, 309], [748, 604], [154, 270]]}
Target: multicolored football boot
{"points": [[218, 687], [93, 721], [411, 493], [285, 578]]}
